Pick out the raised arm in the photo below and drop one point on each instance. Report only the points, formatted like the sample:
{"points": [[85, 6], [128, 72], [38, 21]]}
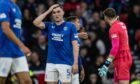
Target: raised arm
{"points": [[38, 22]]}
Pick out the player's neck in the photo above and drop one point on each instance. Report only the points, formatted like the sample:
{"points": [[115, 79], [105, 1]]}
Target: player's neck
{"points": [[59, 23], [14, 1], [112, 21]]}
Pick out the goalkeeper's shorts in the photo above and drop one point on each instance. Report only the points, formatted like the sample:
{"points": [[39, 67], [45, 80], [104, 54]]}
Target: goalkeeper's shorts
{"points": [[122, 65]]}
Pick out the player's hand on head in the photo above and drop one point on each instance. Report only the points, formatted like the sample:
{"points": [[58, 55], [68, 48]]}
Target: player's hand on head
{"points": [[83, 35], [75, 68], [26, 50], [103, 71], [52, 7]]}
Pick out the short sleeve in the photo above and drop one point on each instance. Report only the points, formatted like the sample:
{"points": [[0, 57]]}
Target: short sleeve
{"points": [[74, 34], [4, 12], [47, 24]]}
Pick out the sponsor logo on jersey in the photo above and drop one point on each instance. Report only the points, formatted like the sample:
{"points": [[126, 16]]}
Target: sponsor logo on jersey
{"points": [[53, 27], [57, 37], [114, 36]]}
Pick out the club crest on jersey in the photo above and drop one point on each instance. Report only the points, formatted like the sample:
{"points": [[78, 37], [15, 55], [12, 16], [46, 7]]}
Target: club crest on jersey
{"points": [[65, 28], [53, 27], [13, 9], [3, 15]]}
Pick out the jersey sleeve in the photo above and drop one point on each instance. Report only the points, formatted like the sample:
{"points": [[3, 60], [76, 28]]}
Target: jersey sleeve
{"points": [[74, 34], [114, 36], [4, 12], [47, 24], [115, 47]]}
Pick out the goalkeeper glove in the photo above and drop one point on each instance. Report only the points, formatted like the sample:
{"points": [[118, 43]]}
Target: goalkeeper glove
{"points": [[104, 69]]}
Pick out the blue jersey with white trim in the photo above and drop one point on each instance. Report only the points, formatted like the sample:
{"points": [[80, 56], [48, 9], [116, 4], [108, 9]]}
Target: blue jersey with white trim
{"points": [[60, 37], [9, 12]]}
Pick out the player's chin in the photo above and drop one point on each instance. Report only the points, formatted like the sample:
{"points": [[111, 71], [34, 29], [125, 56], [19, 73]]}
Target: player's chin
{"points": [[57, 20]]}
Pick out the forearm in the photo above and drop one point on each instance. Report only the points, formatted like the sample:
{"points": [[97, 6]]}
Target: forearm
{"points": [[115, 47], [7, 31], [75, 52], [40, 18], [114, 50]]}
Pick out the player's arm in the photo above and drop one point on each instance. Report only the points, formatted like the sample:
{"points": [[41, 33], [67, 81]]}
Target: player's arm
{"points": [[75, 53], [38, 22], [83, 35], [4, 22], [74, 38], [8, 32], [82, 71], [113, 52]]}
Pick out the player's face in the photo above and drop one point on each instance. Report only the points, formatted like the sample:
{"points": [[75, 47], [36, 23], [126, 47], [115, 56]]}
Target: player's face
{"points": [[77, 24], [106, 19], [57, 14]]}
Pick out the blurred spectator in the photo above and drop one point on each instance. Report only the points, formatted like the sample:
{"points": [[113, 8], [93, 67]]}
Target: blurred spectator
{"points": [[133, 2], [101, 47], [95, 20], [70, 6], [32, 40], [117, 4], [27, 25], [137, 80], [31, 6], [35, 62], [86, 12], [88, 1], [137, 39], [42, 49], [40, 9], [78, 13], [133, 22], [93, 78], [93, 69], [84, 55], [49, 3], [102, 33], [123, 15]]}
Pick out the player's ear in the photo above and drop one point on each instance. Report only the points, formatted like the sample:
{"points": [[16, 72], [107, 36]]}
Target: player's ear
{"points": [[63, 12]]}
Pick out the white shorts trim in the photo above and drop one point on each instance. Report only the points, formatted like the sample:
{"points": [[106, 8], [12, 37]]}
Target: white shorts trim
{"points": [[13, 65], [55, 72]]}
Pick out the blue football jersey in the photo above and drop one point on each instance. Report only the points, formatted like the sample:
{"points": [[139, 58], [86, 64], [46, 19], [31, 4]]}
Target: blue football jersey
{"points": [[9, 12], [60, 37]]}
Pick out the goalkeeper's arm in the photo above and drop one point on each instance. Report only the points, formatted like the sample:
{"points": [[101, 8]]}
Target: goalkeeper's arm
{"points": [[115, 48]]}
